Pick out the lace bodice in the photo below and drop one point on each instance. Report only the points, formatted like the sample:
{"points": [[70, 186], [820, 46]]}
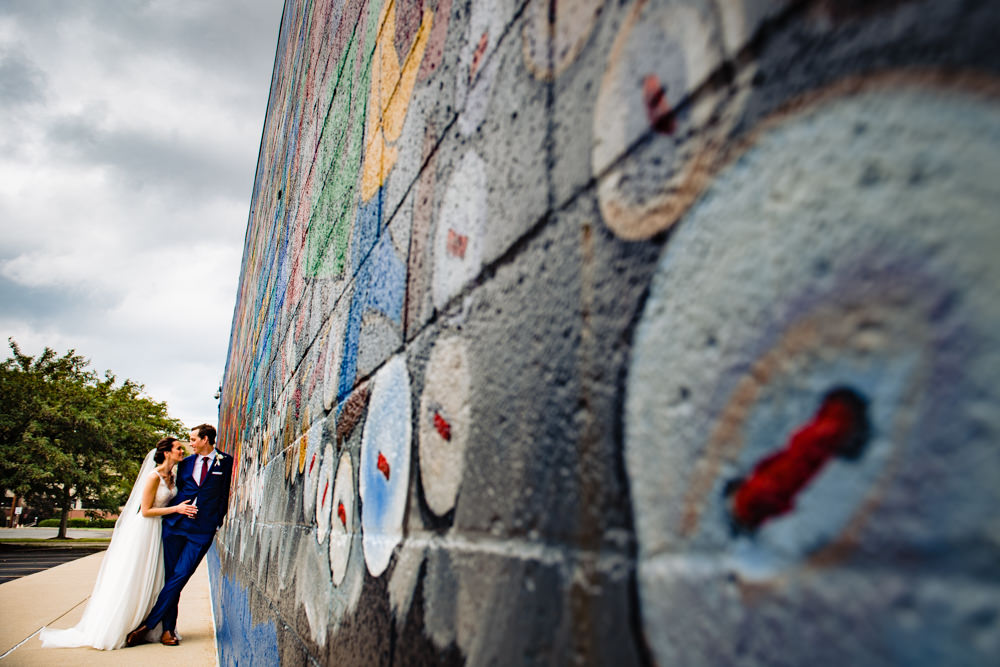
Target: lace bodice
{"points": [[164, 494]]}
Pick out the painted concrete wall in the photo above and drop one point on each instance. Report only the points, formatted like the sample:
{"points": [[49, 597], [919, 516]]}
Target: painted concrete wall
{"points": [[543, 312]]}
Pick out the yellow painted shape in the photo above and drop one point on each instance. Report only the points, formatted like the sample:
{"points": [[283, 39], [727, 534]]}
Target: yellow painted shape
{"points": [[303, 443], [391, 91]]}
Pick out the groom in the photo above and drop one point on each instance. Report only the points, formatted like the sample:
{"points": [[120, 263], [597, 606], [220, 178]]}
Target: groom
{"points": [[204, 478]]}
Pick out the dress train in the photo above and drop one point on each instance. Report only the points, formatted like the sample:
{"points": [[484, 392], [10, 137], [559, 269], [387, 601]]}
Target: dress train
{"points": [[129, 580]]}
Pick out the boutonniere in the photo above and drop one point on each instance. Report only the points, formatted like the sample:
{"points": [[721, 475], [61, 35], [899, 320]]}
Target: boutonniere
{"points": [[218, 459]]}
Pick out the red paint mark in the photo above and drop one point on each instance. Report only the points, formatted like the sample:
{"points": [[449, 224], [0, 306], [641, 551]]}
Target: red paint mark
{"points": [[383, 466], [326, 487], [442, 426], [477, 57], [839, 428], [457, 244], [312, 463], [317, 371], [658, 110], [342, 514]]}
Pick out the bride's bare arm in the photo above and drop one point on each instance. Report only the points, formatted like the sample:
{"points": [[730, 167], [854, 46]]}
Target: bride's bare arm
{"points": [[149, 494]]}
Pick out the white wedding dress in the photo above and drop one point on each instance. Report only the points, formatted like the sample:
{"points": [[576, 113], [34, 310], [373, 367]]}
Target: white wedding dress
{"points": [[130, 577]]}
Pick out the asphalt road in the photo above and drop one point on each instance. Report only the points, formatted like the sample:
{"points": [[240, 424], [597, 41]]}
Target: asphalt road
{"points": [[17, 561]]}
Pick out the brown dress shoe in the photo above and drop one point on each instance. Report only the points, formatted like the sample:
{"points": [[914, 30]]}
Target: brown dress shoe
{"points": [[137, 636], [169, 638]]}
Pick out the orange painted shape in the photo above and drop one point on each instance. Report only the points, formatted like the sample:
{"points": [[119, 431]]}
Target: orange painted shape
{"points": [[303, 444], [389, 98]]}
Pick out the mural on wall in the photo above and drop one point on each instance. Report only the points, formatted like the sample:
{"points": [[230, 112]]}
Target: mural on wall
{"points": [[675, 48], [461, 222], [444, 423], [650, 332], [343, 530], [384, 477], [554, 35], [862, 294]]}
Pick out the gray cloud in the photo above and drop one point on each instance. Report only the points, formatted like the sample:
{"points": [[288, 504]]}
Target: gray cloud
{"points": [[44, 307], [234, 38], [21, 81], [126, 166], [147, 160]]}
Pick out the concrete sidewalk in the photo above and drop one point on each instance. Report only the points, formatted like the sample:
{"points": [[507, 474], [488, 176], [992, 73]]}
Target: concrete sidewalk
{"points": [[57, 598]]}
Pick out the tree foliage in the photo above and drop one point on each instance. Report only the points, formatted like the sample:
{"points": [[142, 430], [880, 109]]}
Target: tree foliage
{"points": [[67, 433]]}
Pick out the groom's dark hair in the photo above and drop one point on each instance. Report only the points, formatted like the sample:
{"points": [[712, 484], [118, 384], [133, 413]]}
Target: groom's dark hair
{"points": [[206, 431]]}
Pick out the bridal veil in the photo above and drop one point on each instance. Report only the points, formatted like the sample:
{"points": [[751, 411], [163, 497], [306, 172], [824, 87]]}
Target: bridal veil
{"points": [[130, 577]]}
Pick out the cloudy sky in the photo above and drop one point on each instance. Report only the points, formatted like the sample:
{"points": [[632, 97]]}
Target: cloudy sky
{"points": [[128, 144]]}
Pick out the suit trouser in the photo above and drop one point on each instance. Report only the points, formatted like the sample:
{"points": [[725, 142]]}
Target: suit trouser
{"points": [[180, 559]]}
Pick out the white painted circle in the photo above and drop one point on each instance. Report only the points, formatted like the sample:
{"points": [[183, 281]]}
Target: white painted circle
{"points": [[477, 64], [386, 439], [443, 421], [461, 222], [310, 473], [851, 244], [644, 193], [342, 519], [324, 493], [550, 47]]}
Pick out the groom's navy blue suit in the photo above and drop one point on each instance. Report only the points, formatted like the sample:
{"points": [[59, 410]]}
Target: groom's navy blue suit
{"points": [[186, 540]]}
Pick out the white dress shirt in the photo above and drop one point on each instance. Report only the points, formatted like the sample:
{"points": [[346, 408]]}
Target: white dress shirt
{"points": [[203, 461]]}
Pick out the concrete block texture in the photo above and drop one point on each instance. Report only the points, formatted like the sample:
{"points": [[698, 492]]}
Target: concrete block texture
{"points": [[649, 332]]}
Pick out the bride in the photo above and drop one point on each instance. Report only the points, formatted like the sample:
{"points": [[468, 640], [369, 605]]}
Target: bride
{"points": [[131, 575]]}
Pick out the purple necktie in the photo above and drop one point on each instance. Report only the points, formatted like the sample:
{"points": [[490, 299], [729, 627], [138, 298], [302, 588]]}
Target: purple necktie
{"points": [[204, 470]]}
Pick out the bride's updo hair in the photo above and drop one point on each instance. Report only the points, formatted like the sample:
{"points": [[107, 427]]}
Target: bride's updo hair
{"points": [[162, 447]]}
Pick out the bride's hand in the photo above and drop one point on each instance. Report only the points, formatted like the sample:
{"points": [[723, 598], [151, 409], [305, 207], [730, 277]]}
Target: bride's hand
{"points": [[186, 508]]}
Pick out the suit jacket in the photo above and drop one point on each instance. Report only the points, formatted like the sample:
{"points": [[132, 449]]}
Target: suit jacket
{"points": [[212, 498]]}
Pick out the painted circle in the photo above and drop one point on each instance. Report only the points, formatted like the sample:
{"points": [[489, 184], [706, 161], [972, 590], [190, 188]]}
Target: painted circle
{"points": [[288, 438], [385, 464], [444, 423], [324, 493], [477, 65], [549, 48], [334, 356], [256, 482], [460, 228], [342, 528], [674, 49], [852, 244], [311, 466]]}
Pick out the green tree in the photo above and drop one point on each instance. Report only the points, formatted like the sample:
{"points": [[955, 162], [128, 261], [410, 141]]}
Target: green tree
{"points": [[66, 433]]}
